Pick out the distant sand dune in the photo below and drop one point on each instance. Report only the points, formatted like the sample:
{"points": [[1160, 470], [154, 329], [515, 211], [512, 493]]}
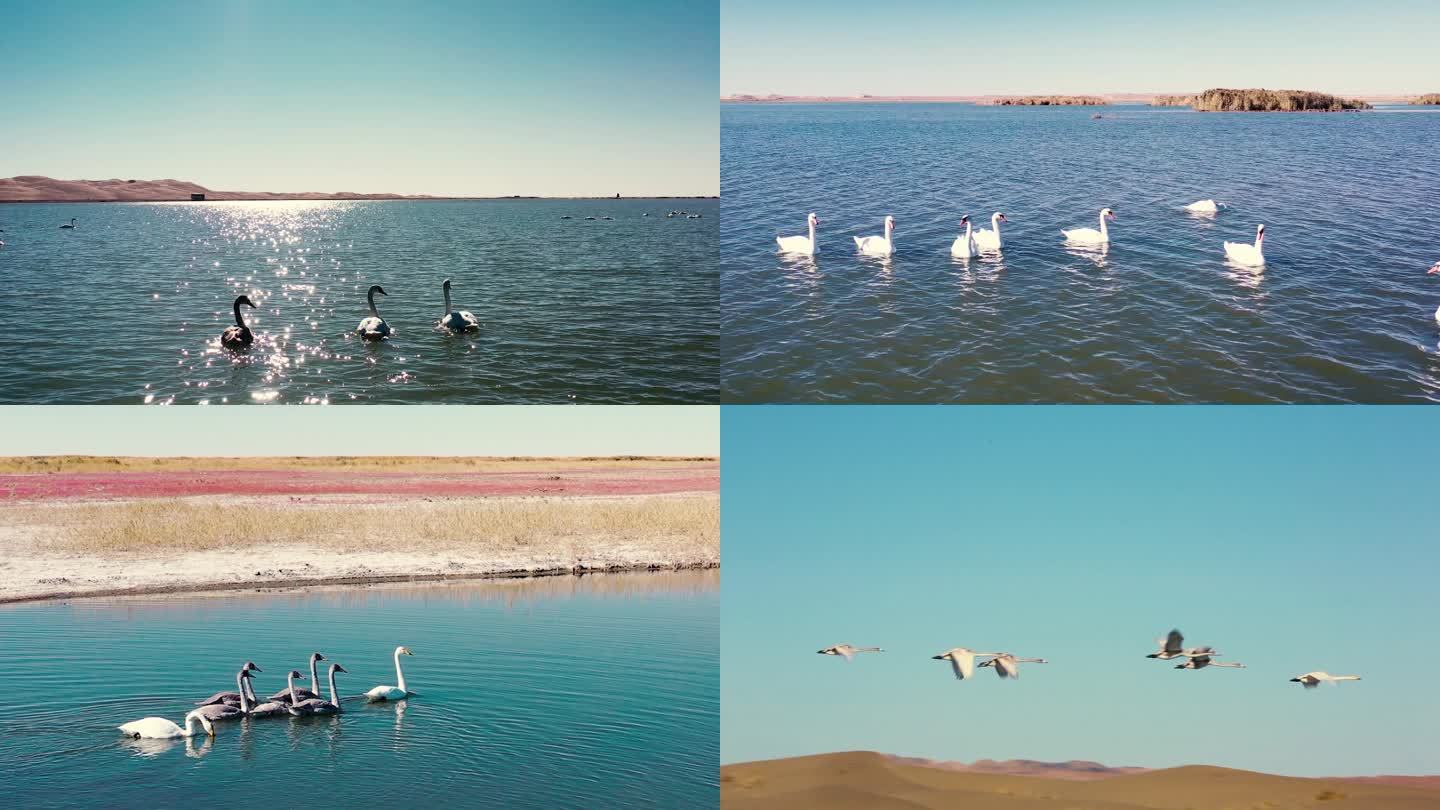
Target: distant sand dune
{"points": [[35, 188], [856, 779]]}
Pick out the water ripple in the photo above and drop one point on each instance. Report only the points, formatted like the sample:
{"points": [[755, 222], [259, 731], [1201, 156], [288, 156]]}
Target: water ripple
{"points": [[1342, 313], [128, 307]]}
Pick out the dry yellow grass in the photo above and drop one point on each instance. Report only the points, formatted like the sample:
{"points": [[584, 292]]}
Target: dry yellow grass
{"points": [[689, 524], [92, 464]]}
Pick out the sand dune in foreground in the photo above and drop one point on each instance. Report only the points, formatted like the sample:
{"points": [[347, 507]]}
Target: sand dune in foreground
{"points": [[864, 779]]}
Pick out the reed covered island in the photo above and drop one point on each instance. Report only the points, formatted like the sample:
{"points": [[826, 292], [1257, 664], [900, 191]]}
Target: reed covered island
{"points": [[1044, 101], [1428, 98], [86, 526], [1260, 100]]}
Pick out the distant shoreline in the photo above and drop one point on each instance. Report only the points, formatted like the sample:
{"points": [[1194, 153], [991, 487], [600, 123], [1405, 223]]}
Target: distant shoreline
{"points": [[1110, 98], [41, 189]]}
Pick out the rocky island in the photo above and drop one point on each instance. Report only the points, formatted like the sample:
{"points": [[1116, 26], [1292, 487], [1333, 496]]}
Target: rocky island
{"points": [[1259, 100]]}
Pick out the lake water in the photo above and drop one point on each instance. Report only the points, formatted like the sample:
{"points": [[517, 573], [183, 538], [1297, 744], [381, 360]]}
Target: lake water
{"points": [[1342, 313], [596, 691], [128, 307]]}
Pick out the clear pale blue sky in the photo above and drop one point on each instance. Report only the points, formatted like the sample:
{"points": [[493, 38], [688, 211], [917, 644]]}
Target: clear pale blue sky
{"points": [[965, 47], [499, 430], [1293, 539], [490, 97]]}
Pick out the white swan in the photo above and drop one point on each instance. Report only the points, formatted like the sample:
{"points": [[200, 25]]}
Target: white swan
{"points": [[964, 246], [158, 728], [71, 225], [847, 651], [1090, 236], [457, 320], [1203, 661], [1203, 207], [318, 706], [1251, 255], [990, 239], [302, 693], [1310, 680], [1172, 646], [878, 245], [1008, 666], [392, 692], [373, 327], [961, 660], [805, 245], [1435, 271]]}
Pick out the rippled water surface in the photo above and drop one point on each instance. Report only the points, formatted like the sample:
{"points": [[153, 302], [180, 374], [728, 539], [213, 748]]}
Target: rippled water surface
{"points": [[597, 691], [128, 307], [1343, 311]]}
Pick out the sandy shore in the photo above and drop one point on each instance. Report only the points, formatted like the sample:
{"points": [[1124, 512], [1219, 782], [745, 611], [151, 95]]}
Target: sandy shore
{"points": [[70, 534]]}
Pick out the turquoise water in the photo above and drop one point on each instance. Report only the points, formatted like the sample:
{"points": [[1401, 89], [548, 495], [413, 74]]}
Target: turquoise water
{"points": [[128, 307], [597, 691], [1343, 312]]}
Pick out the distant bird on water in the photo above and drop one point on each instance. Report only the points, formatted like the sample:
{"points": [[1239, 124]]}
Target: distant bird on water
{"points": [[71, 225], [847, 651], [238, 336], [1251, 255]]}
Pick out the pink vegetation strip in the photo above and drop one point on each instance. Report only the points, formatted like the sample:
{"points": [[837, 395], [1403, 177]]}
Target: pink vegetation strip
{"points": [[102, 486]]}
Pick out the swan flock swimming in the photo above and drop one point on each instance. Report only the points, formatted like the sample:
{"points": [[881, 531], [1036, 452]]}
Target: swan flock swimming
{"points": [[296, 701]]}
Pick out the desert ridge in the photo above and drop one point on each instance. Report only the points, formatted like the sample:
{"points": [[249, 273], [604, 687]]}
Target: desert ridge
{"points": [[866, 779]]}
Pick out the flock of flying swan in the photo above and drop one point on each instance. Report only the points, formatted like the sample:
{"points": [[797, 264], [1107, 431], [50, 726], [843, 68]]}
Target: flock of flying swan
{"points": [[1007, 665], [296, 701], [373, 327], [972, 243]]}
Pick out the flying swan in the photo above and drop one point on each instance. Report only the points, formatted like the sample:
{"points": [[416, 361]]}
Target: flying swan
{"points": [[962, 661], [878, 245], [1172, 646], [847, 650], [1090, 236], [1203, 661], [805, 245], [1250, 255], [373, 327], [1008, 666], [1310, 680], [456, 320], [392, 692]]}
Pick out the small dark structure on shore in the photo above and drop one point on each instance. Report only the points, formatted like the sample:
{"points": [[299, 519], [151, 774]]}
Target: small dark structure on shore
{"points": [[197, 198]]}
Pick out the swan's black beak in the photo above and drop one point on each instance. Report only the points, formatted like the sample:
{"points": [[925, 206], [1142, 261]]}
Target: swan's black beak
{"points": [[339, 668], [938, 657]]}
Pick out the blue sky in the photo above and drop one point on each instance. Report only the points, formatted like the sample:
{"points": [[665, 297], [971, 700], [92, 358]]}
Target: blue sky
{"points": [[550, 97], [964, 47], [541, 430], [1293, 539]]}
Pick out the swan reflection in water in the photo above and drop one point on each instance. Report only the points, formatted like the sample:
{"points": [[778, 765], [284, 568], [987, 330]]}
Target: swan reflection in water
{"points": [[150, 747], [1095, 253], [1245, 275]]}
